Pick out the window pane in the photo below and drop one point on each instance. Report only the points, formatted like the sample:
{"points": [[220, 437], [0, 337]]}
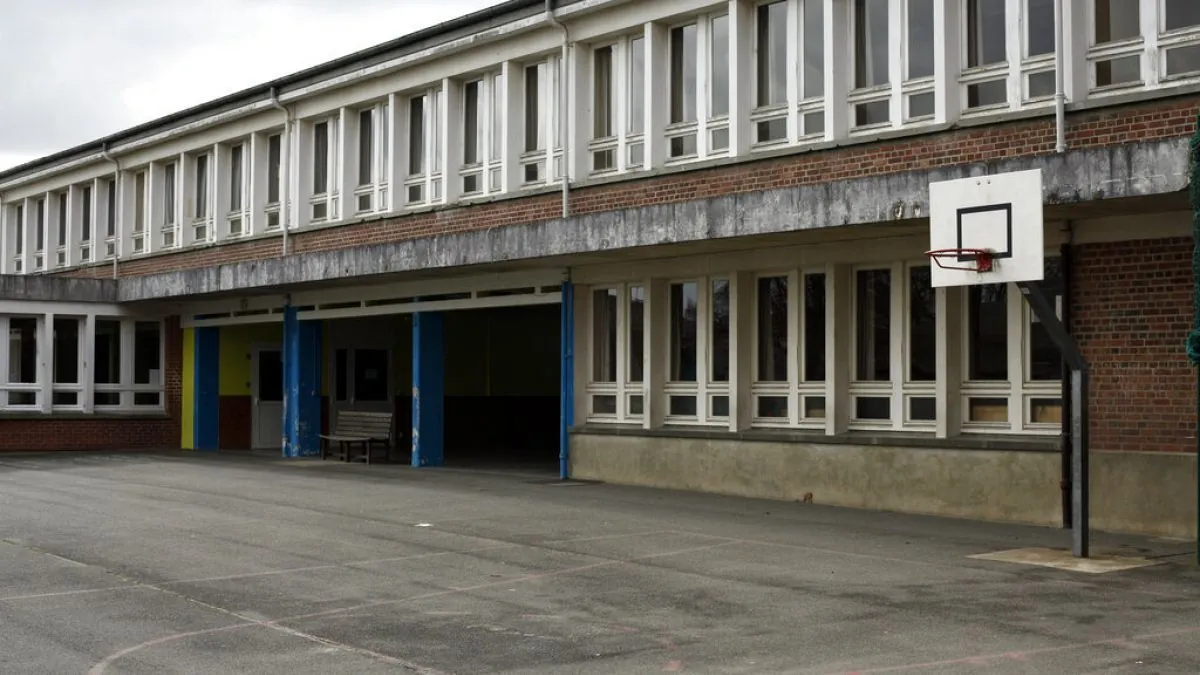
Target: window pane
{"points": [[604, 405], [1182, 14], [139, 202], [62, 219], [719, 406], [637, 85], [371, 375], [920, 38], [19, 216], [366, 146], [875, 112], [534, 139], [472, 128], [321, 158], [1117, 20], [870, 43], [985, 33], [169, 194], [147, 350], [1040, 25], [920, 105], [435, 122], [497, 118], [22, 350], [987, 93], [922, 409], [922, 326], [274, 159], [814, 328], [683, 74], [1183, 60], [1045, 361], [719, 67], [772, 54], [872, 408], [86, 229], [416, 136], [681, 406], [987, 328], [270, 375], [40, 232], [201, 189], [637, 333], [772, 329], [1119, 71], [1041, 85], [873, 323], [604, 335], [1045, 411], [814, 48], [987, 410], [107, 362], [683, 331], [720, 331], [771, 407], [66, 351], [814, 407], [112, 195], [235, 178], [602, 92]]}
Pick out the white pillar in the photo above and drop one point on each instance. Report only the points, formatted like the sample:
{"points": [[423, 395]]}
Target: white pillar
{"points": [[155, 206], [895, 62], [657, 95], [51, 230], [949, 361], [343, 172], [1015, 50], [304, 174], [510, 146], [1075, 46], [838, 51], [839, 358], [655, 352], [580, 110], [256, 197], [947, 60], [218, 187], [393, 167], [30, 235], [450, 128], [86, 370], [45, 352], [187, 198]]}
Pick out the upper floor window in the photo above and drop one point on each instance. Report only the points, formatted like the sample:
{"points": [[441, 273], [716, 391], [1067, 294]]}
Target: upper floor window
{"points": [[85, 220], [987, 52], [541, 142], [170, 204], [370, 191], [200, 198], [636, 110], [139, 212], [237, 190], [424, 182], [919, 60], [771, 83], [324, 164], [19, 236], [482, 128], [320, 165], [39, 233], [274, 178], [60, 242], [870, 29]]}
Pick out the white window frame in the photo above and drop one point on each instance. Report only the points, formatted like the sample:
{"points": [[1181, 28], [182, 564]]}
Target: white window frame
{"points": [[38, 386], [881, 93], [989, 73], [624, 388], [703, 126], [805, 107], [1032, 66], [16, 233], [925, 85], [78, 388], [62, 222], [373, 193], [777, 111], [1125, 48], [707, 351], [202, 217], [1165, 41], [805, 388], [237, 218], [769, 389], [273, 210], [324, 202], [112, 197], [487, 171], [141, 211], [891, 389], [87, 219], [427, 184], [40, 224], [169, 229], [126, 389], [703, 388], [548, 159], [914, 389]]}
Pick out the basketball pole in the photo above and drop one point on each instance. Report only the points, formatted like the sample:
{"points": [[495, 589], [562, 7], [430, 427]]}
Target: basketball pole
{"points": [[1043, 308]]}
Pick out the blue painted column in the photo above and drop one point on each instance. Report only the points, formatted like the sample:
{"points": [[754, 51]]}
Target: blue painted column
{"points": [[206, 402], [566, 396], [301, 386], [429, 387]]}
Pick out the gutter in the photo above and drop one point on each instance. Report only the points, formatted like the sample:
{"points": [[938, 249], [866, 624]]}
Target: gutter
{"points": [[564, 93], [118, 208], [285, 168]]}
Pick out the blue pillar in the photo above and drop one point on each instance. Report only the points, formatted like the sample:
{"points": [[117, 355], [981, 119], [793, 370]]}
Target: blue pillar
{"points": [[566, 396], [206, 396], [301, 386], [428, 432]]}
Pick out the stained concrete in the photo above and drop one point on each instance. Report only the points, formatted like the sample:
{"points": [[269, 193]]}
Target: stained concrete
{"points": [[1144, 492], [996, 485], [1077, 176], [39, 288], [211, 564]]}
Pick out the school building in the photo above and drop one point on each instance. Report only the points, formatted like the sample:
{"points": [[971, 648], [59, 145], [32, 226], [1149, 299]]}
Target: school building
{"points": [[675, 243]]}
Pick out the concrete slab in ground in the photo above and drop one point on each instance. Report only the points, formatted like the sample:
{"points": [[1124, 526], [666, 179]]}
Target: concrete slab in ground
{"points": [[141, 563], [1063, 559]]}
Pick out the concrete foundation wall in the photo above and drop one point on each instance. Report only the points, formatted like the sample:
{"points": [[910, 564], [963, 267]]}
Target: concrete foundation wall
{"points": [[1139, 493], [996, 485]]}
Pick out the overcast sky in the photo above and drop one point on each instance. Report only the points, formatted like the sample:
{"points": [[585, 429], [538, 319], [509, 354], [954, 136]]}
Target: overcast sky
{"points": [[72, 71]]}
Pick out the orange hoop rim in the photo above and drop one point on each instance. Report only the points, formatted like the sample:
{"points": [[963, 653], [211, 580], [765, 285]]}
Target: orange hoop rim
{"points": [[981, 257]]}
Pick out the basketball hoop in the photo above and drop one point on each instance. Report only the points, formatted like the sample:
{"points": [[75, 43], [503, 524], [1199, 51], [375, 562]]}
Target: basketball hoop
{"points": [[980, 258]]}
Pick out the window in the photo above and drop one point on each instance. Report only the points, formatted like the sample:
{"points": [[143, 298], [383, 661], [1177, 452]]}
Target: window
{"points": [[771, 81], [371, 370], [637, 334], [169, 194], [1180, 42], [482, 107], [423, 184], [683, 87], [416, 136], [139, 212], [1116, 52], [106, 364], [604, 352], [201, 196], [67, 387], [871, 388], [237, 178], [718, 339], [22, 387], [39, 233], [61, 230], [1039, 49], [871, 50], [718, 85], [1180, 14], [85, 224], [540, 133], [636, 112], [366, 146], [19, 236], [771, 399], [320, 166], [111, 209], [812, 352], [812, 71], [274, 163], [128, 364], [684, 334], [603, 110], [920, 383], [919, 64], [986, 49]]}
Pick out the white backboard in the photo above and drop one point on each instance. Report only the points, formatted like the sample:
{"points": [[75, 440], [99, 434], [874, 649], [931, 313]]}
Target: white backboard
{"points": [[1001, 213]]}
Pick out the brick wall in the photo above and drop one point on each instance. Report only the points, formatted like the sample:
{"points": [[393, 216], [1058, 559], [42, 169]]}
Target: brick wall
{"points": [[1131, 311], [107, 432], [1154, 120]]}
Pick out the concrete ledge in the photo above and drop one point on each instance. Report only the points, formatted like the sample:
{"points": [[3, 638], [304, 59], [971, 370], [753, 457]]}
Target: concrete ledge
{"points": [[1052, 444], [994, 485], [40, 288], [1077, 176]]}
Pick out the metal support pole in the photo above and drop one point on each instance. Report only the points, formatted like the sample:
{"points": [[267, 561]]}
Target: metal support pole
{"points": [[1045, 312]]}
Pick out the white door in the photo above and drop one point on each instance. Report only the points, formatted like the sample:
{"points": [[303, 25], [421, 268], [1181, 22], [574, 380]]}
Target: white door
{"points": [[267, 392]]}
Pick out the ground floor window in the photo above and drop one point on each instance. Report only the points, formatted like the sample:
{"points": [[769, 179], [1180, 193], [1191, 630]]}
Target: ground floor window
{"points": [[47, 364]]}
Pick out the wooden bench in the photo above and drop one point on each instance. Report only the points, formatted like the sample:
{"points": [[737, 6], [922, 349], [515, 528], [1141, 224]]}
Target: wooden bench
{"points": [[359, 431]]}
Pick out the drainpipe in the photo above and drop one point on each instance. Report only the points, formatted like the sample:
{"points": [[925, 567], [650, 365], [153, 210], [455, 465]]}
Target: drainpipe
{"points": [[1060, 96], [117, 230], [564, 90], [285, 172]]}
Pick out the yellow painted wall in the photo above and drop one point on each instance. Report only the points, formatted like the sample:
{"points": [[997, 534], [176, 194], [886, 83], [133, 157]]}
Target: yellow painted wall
{"points": [[189, 387], [236, 349]]}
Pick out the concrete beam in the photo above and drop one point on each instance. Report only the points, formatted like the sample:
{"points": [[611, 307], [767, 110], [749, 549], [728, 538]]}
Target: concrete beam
{"points": [[1077, 176], [37, 288]]}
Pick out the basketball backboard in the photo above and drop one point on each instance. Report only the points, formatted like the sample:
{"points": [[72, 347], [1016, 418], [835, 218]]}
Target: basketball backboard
{"points": [[1000, 214]]}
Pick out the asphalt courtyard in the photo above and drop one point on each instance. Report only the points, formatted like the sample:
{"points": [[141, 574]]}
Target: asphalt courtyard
{"points": [[161, 563]]}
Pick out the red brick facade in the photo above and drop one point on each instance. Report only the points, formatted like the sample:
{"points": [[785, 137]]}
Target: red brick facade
{"points": [[1131, 311], [1155, 120], [162, 431]]}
